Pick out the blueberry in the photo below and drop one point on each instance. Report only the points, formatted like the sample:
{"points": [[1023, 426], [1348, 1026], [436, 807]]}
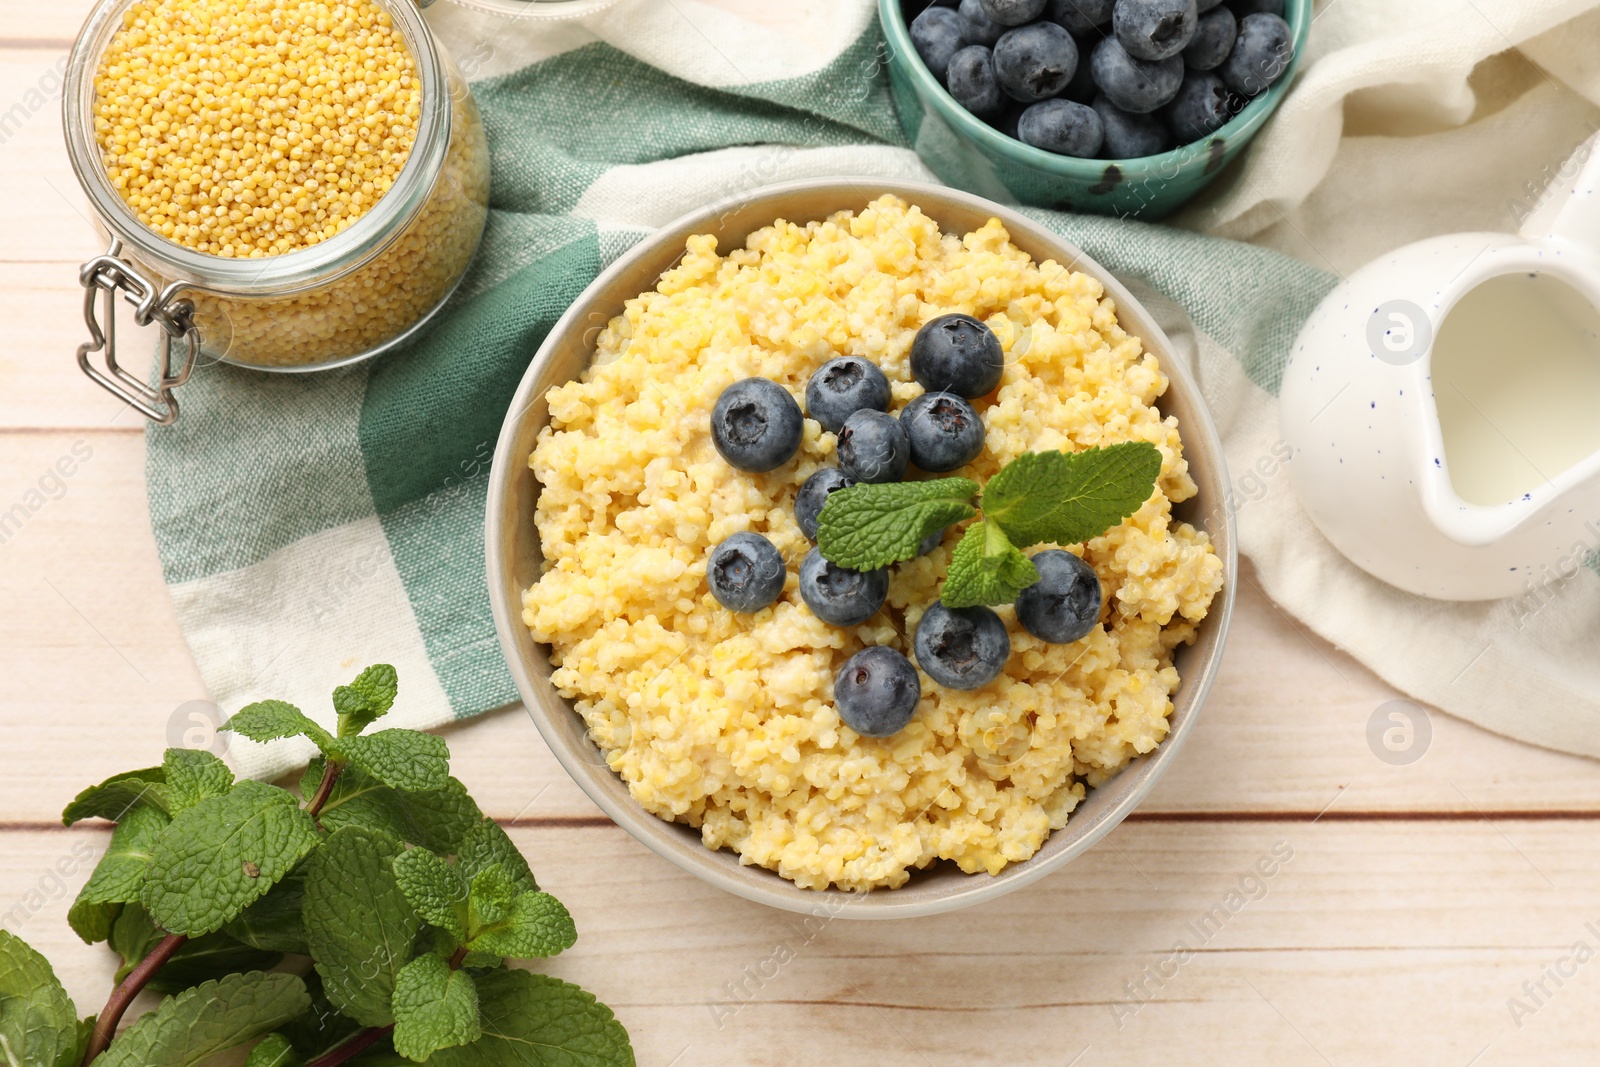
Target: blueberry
{"points": [[931, 542], [1081, 16], [1082, 88], [1135, 84], [976, 25], [973, 84], [756, 425], [1130, 136], [1013, 12], [873, 447], [957, 354], [1063, 606], [839, 596], [1154, 29], [961, 648], [745, 572], [943, 429], [1062, 127], [1206, 5], [1261, 53], [813, 495], [1007, 122], [843, 387], [876, 692], [1036, 61], [1244, 8], [936, 35], [1202, 107], [1212, 41]]}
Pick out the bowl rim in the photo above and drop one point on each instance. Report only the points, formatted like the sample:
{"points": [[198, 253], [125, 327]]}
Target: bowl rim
{"points": [[665, 838], [1237, 130]]}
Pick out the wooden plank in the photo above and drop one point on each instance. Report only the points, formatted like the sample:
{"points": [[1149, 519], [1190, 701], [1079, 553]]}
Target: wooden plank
{"points": [[1435, 933]]}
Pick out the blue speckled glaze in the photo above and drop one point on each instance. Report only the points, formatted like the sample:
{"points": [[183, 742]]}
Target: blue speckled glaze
{"points": [[968, 153]]}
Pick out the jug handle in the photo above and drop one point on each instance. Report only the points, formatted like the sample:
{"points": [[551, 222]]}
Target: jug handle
{"points": [[1569, 208]]}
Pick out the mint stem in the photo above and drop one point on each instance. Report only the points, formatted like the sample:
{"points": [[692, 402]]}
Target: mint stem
{"points": [[105, 1027], [460, 955], [330, 775], [352, 1048]]}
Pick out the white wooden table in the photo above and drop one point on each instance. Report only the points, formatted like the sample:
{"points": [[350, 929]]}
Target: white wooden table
{"points": [[1419, 899]]}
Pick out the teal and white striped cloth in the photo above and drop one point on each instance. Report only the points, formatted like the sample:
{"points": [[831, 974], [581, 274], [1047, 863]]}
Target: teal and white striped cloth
{"points": [[310, 525]]}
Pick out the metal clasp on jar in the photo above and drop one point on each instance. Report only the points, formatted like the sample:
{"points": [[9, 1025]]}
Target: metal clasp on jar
{"points": [[105, 276]]}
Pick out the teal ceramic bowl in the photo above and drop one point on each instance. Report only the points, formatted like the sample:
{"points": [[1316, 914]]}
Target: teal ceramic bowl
{"points": [[968, 153]]}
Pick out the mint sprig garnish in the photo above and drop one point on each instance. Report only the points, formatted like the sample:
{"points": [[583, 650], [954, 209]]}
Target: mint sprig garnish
{"points": [[1062, 498], [390, 904], [870, 526]]}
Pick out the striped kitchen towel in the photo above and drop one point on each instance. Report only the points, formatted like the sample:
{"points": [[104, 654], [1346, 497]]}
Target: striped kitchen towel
{"points": [[310, 525]]}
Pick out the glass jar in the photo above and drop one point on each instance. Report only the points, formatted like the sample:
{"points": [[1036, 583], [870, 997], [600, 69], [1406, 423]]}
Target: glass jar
{"points": [[353, 296]]}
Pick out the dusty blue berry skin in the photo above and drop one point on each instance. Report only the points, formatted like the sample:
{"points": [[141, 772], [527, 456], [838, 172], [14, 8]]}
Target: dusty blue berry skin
{"points": [[961, 648], [873, 448], [936, 35], [1082, 89], [1212, 41], [841, 387], [972, 82], [745, 573], [1202, 107], [809, 501], [1261, 53], [876, 692], [1133, 84], [957, 354], [1063, 606], [944, 430], [1013, 12], [839, 596], [756, 425], [1081, 17], [1154, 29], [1062, 127], [931, 542], [1130, 136], [976, 25], [1035, 62]]}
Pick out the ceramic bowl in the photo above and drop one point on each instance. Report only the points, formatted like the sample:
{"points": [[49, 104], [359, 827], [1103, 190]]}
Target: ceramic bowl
{"points": [[514, 560], [969, 154]]}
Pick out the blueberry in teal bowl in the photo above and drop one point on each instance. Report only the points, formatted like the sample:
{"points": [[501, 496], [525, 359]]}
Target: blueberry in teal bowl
{"points": [[1115, 107]]}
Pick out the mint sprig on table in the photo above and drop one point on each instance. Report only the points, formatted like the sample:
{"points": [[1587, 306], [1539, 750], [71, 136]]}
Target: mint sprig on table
{"points": [[1062, 498], [366, 919]]}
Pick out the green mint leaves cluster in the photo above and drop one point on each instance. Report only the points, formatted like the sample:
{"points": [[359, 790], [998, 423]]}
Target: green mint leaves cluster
{"points": [[366, 920], [1061, 498]]}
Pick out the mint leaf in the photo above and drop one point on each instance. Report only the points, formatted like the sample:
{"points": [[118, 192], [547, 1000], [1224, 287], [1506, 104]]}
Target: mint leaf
{"points": [[536, 926], [403, 759], [1065, 498], [192, 776], [119, 876], [434, 889], [434, 1008], [487, 844], [358, 924], [365, 700], [269, 720], [113, 798], [489, 898], [534, 1019], [199, 960], [436, 819], [210, 1018], [273, 923], [222, 855], [38, 1022], [986, 569], [273, 1051], [866, 527]]}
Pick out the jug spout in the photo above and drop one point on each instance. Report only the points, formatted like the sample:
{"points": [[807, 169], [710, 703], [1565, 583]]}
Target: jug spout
{"points": [[1569, 209]]}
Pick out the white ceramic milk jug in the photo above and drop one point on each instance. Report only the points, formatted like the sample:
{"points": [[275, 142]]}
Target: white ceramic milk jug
{"points": [[1443, 404]]}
